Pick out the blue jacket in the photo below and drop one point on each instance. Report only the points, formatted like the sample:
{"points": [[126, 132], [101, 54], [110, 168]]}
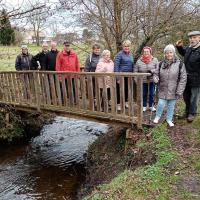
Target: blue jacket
{"points": [[124, 62]]}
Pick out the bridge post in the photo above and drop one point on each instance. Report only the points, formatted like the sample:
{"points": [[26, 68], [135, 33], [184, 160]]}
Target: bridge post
{"points": [[139, 101], [37, 89]]}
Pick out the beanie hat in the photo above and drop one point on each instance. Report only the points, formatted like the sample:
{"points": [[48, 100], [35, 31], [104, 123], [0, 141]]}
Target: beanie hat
{"points": [[149, 48], [170, 47]]}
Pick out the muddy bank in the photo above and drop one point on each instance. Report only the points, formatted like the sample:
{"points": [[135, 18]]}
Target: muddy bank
{"points": [[20, 127], [107, 157]]}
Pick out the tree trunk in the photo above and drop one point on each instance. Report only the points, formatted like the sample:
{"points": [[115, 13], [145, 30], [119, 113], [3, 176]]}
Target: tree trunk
{"points": [[118, 25]]}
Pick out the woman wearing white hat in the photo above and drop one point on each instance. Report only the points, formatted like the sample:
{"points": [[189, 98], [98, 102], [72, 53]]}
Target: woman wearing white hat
{"points": [[171, 77]]}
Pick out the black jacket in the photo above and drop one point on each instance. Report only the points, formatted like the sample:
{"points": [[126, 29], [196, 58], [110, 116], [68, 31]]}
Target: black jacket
{"points": [[23, 62], [91, 62], [192, 64], [50, 60], [41, 57]]}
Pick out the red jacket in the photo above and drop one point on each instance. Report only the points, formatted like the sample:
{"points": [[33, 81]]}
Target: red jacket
{"points": [[67, 62]]}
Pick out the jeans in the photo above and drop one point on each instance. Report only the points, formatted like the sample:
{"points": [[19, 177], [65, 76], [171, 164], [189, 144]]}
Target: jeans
{"points": [[191, 96], [148, 91], [170, 108]]}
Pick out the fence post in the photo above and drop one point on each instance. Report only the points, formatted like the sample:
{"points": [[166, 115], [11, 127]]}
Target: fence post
{"points": [[37, 89], [139, 101]]}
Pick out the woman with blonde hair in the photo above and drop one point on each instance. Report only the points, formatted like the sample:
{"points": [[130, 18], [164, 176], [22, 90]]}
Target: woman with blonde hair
{"points": [[105, 65], [124, 62]]}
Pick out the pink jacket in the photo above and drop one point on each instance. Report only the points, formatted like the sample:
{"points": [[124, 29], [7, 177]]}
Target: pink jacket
{"points": [[104, 66]]}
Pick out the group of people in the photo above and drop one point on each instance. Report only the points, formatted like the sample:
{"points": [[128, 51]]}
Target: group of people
{"points": [[172, 76]]}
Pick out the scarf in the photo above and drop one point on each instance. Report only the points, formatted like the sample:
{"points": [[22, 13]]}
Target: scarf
{"points": [[168, 63], [146, 59]]}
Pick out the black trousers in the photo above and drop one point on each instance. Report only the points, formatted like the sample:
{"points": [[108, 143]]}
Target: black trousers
{"points": [[125, 90]]}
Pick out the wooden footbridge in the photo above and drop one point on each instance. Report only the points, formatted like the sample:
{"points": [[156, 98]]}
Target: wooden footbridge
{"points": [[75, 94]]}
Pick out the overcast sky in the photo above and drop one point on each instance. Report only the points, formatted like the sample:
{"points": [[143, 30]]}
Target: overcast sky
{"points": [[58, 18]]}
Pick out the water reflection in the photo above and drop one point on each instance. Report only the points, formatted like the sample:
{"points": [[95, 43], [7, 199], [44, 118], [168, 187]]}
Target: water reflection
{"points": [[51, 166]]}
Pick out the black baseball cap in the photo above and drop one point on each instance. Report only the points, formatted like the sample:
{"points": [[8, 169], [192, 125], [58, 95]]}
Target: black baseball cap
{"points": [[66, 43]]}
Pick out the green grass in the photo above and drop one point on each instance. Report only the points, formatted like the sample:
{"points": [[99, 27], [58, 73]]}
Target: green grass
{"points": [[8, 54], [150, 182]]}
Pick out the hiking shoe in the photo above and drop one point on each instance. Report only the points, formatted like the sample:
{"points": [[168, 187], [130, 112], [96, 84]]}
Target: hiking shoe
{"points": [[170, 123], [190, 118], [118, 107], [144, 109], [152, 109], [156, 120]]}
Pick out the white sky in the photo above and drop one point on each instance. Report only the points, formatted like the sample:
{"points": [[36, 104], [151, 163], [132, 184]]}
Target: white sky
{"points": [[58, 18]]}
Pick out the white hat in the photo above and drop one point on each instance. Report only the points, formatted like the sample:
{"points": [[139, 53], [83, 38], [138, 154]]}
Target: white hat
{"points": [[24, 46], [170, 47]]}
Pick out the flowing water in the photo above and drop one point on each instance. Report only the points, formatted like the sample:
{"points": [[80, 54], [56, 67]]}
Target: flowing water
{"points": [[51, 165]]}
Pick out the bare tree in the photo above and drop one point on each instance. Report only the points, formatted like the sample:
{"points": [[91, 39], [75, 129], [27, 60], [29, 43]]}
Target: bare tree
{"points": [[142, 21]]}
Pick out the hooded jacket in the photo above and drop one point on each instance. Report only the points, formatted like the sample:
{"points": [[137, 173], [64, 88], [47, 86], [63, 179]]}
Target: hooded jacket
{"points": [[23, 62], [67, 61], [169, 86]]}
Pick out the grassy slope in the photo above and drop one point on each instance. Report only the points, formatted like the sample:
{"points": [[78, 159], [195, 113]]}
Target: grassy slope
{"points": [[175, 174], [8, 54]]}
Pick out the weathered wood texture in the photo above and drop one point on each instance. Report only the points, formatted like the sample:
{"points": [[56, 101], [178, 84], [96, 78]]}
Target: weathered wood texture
{"points": [[75, 93]]}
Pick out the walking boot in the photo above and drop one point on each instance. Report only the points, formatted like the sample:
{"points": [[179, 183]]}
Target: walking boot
{"points": [[190, 118]]}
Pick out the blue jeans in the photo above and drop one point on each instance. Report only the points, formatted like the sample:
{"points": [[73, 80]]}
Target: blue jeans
{"points": [[170, 108], [191, 96], [148, 90]]}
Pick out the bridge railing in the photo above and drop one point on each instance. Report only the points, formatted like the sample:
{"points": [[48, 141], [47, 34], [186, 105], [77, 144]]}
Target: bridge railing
{"points": [[81, 93]]}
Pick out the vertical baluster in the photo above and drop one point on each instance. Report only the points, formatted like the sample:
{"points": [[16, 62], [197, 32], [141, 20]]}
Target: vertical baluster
{"points": [[130, 96], [52, 88], [122, 95], [64, 90], [77, 91], [83, 92], [139, 101], [113, 96], [104, 96], [97, 92], [58, 92], [90, 92]]}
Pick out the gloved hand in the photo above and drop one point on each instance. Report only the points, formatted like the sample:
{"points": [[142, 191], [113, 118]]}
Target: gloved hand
{"points": [[155, 79], [178, 96]]}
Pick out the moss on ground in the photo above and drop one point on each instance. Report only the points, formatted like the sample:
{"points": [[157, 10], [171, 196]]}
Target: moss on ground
{"points": [[175, 174]]}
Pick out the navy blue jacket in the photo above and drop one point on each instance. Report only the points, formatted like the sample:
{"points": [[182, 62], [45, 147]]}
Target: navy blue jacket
{"points": [[124, 62]]}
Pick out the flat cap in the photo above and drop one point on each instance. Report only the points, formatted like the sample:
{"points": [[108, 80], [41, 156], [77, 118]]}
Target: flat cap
{"points": [[193, 33], [24, 46]]}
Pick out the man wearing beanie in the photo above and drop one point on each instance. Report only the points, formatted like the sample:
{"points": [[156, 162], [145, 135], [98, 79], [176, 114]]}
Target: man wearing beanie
{"points": [[191, 55]]}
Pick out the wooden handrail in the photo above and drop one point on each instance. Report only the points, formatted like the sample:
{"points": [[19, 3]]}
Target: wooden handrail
{"points": [[85, 93]]}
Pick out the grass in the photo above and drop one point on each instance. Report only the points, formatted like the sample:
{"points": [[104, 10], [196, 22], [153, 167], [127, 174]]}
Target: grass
{"points": [[149, 182], [8, 54]]}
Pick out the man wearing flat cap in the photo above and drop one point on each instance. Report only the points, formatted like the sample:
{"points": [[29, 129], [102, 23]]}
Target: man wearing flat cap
{"points": [[191, 55], [23, 60]]}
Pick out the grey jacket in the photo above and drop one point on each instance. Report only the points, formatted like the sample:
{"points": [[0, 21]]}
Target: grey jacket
{"points": [[142, 67], [169, 87]]}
